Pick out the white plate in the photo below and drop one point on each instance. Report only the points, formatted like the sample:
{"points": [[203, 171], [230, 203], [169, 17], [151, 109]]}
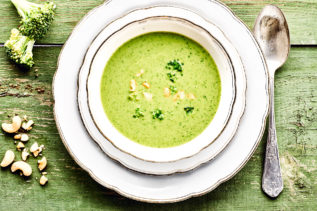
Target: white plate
{"points": [[176, 187], [181, 165]]}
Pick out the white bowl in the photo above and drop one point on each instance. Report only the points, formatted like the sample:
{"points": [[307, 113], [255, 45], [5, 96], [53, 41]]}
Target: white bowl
{"points": [[166, 24], [182, 165]]}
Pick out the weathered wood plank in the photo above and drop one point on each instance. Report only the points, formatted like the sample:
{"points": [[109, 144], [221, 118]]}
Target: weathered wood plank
{"points": [[301, 16], [70, 188]]}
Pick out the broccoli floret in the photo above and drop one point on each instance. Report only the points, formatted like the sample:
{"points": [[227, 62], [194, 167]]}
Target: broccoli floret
{"points": [[36, 18], [19, 49]]}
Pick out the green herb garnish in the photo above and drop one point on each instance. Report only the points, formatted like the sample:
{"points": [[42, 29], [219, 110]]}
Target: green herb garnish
{"points": [[173, 89], [175, 65], [138, 113], [171, 76], [157, 114], [189, 110]]}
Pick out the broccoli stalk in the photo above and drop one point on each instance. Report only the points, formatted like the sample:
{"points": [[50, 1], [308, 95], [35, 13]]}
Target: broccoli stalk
{"points": [[36, 18], [19, 49]]}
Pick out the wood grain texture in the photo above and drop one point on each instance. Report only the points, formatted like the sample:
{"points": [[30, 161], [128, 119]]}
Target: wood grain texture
{"points": [[71, 188], [301, 16]]}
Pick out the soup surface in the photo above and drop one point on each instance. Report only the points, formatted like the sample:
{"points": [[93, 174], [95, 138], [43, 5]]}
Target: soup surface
{"points": [[160, 89]]}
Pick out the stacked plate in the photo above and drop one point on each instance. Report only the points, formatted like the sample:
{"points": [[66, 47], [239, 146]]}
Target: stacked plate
{"points": [[161, 174]]}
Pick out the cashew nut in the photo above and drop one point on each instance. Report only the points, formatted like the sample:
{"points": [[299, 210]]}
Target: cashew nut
{"points": [[167, 92], [24, 167], [20, 146], [42, 163], [132, 85], [24, 154], [14, 126], [179, 95], [8, 158], [36, 149], [140, 73], [17, 136], [27, 125], [191, 96], [24, 137], [148, 96], [41, 148], [146, 85], [43, 180], [182, 95]]}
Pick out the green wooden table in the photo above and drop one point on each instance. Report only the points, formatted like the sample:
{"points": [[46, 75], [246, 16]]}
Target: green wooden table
{"points": [[71, 188]]}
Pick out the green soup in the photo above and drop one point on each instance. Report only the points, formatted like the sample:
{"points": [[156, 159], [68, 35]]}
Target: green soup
{"points": [[160, 89]]}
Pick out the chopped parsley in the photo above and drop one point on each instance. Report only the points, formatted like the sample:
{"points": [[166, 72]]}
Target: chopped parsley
{"points": [[138, 113], [171, 76], [173, 89], [189, 110], [175, 65], [157, 114]]}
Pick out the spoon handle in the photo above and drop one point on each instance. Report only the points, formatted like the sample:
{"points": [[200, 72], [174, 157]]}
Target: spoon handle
{"points": [[272, 182]]}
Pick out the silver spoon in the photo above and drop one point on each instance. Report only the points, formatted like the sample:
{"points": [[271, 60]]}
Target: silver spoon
{"points": [[271, 31]]}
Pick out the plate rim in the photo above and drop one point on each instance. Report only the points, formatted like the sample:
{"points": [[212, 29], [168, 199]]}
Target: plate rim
{"points": [[195, 194]]}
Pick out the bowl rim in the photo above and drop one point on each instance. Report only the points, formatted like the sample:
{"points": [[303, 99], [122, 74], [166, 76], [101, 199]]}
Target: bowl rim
{"points": [[168, 149]]}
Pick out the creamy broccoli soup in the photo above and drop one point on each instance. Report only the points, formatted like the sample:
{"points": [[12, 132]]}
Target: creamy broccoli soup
{"points": [[160, 89]]}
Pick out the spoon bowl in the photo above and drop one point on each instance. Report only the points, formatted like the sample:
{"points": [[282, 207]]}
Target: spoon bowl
{"points": [[272, 33]]}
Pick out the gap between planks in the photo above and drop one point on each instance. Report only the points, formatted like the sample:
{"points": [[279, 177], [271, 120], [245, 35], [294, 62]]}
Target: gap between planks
{"points": [[41, 45]]}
